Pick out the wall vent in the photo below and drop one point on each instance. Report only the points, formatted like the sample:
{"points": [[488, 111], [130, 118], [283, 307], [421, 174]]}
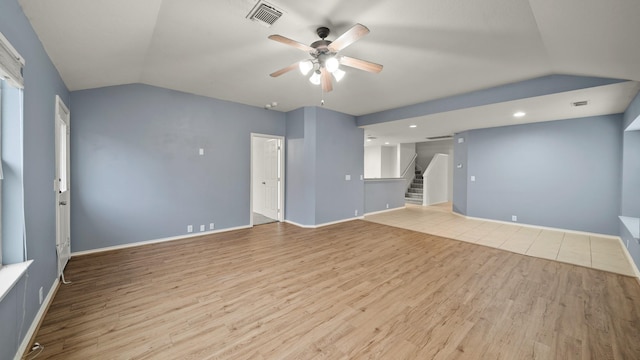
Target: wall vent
{"points": [[264, 13], [580, 103], [439, 137]]}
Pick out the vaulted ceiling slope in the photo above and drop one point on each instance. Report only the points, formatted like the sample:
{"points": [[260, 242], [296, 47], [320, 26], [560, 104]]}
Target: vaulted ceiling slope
{"points": [[430, 49]]}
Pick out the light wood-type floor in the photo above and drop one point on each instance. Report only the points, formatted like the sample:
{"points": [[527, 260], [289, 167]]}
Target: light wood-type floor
{"points": [[356, 290], [592, 251]]}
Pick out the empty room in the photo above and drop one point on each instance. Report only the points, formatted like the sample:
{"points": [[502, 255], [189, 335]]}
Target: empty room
{"points": [[436, 179]]}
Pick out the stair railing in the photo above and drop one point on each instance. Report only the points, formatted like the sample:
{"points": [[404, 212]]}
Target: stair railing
{"points": [[409, 175]]}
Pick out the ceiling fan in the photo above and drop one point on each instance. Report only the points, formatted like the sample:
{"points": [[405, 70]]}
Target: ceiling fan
{"points": [[325, 60]]}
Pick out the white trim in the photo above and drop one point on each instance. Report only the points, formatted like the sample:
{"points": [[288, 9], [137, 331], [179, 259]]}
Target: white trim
{"points": [[9, 276], [155, 241], [324, 224], [282, 159], [385, 210], [538, 226], [36, 321]]}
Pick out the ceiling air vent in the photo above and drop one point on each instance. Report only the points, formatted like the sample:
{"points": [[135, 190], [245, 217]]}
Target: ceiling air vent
{"points": [[580, 103], [439, 137], [264, 13]]}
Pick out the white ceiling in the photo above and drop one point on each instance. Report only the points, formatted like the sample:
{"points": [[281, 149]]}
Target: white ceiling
{"points": [[429, 48]]}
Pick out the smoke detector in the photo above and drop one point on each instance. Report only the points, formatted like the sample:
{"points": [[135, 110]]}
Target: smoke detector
{"points": [[264, 13]]}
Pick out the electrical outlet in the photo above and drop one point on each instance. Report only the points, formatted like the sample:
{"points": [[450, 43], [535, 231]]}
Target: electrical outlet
{"points": [[201, 227], [356, 212], [514, 218], [40, 296], [212, 226], [627, 243], [201, 151], [189, 228], [387, 206]]}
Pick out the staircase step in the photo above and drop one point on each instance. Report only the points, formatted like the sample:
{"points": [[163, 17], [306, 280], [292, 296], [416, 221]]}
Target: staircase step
{"points": [[417, 186], [413, 195], [413, 201], [414, 191]]}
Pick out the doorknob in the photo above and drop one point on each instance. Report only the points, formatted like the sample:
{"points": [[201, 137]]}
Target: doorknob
{"points": [[62, 203]]}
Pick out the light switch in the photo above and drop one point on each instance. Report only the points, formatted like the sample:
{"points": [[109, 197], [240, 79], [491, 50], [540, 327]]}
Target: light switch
{"points": [[473, 178], [201, 151], [347, 177], [460, 140]]}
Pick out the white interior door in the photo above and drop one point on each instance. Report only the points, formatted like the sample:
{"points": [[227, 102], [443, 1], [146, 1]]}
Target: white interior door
{"points": [[63, 204], [271, 179]]}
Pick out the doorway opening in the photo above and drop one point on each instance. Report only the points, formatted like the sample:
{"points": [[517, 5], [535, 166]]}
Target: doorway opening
{"points": [[267, 179]]}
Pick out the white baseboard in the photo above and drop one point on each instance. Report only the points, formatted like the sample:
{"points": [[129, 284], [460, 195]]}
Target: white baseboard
{"points": [[156, 241], [324, 224], [385, 210], [22, 349]]}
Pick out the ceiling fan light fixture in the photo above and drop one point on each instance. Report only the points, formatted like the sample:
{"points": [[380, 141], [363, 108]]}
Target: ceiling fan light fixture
{"points": [[332, 64], [315, 78], [305, 66], [338, 74]]}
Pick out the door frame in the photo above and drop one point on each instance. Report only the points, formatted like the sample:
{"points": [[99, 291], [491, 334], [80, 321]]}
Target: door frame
{"points": [[60, 108], [281, 159]]}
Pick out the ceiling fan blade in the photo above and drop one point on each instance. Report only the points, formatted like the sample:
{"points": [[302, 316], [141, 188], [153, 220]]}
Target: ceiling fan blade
{"points": [[360, 64], [290, 42], [352, 35], [284, 70], [327, 85]]}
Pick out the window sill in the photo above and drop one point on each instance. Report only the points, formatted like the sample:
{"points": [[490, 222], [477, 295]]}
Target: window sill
{"points": [[9, 276]]}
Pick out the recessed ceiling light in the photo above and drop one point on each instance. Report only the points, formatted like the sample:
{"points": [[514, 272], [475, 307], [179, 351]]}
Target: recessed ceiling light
{"points": [[519, 114], [413, 126], [368, 139], [386, 143]]}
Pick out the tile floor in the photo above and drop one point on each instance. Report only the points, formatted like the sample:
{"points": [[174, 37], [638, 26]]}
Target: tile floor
{"points": [[590, 251]]}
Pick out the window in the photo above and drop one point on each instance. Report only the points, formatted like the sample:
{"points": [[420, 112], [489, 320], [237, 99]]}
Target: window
{"points": [[13, 263], [11, 81]]}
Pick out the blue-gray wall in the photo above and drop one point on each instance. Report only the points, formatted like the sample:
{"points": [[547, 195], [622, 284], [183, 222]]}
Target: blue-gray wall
{"points": [[339, 152], [382, 192], [42, 84], [137, 174], [563, 174], [460, 173], [299, 167], [322, 147]]}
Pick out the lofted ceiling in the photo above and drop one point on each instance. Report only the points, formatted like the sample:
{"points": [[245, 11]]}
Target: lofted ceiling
{"points": [[430, 49]]}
